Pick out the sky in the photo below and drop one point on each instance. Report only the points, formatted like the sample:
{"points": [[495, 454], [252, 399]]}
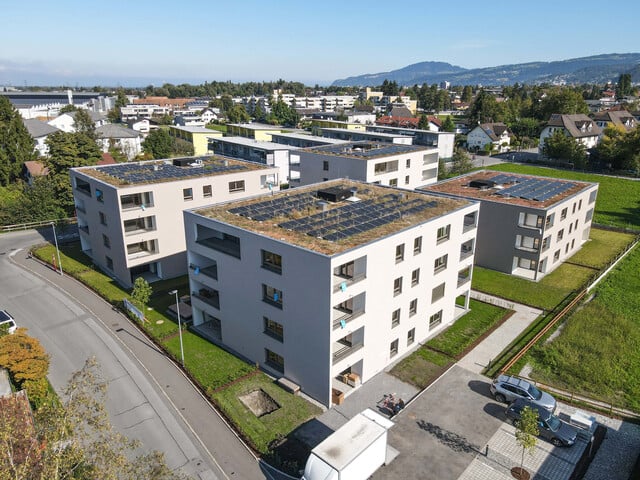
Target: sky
{"points": [[142, 42]]}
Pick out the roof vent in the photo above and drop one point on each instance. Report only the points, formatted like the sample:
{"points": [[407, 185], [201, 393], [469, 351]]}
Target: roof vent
{"points": [[322, 205]]}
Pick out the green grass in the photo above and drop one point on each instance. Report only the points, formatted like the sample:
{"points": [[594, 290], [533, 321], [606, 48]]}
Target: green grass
{"points": [[596, 352], [260, 432], [602, 247], [618, 202], [220, 128]]}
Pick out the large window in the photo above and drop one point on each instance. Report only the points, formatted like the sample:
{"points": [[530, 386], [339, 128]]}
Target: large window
{"points": [[273, 329], [444, 233], [274, 360], [393, 348], [237, 186], [271, 261], [435, 320], [417, 245], [415, 277], [437, 293], [385, 167], [440, 263], [395, 318], [272, 296], [399, 253], [397, 286]]}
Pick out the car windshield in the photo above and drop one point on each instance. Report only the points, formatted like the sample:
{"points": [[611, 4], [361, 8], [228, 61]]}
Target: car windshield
{"points": [[554, 423], [534, 392]]}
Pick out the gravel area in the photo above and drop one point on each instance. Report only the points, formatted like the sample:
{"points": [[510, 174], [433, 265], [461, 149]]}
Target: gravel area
{"points": [[618, 453]]}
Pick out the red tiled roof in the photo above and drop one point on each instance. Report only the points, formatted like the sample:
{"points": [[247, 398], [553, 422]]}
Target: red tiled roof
{"points": [[107, 159], [36, 168], [411, 122]]}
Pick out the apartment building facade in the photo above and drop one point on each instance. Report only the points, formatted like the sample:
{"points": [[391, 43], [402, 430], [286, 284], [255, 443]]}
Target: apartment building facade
{"points": [[528, 225], [328, 284], [130, 214]]}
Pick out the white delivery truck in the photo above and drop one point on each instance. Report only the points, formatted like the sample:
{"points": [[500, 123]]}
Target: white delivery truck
{"points": [[353, 452]]}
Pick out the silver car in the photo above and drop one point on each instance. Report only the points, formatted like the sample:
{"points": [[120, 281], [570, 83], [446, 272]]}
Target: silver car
{"points": [[506, 389]]}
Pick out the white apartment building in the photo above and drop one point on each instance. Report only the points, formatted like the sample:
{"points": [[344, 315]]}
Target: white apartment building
{"points": [[359, 135], [528, 225], [404, 166], [130, 214], [326, 285], [443, 141]]}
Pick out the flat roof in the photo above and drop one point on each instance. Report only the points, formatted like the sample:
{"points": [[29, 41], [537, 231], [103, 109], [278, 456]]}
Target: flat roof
{"points": [[160, 171], [254, 126], [250, 142], [197, 129], [364, 132], [406, 130], [516, 189], [365, 150], [313, 138], [334, 216]]}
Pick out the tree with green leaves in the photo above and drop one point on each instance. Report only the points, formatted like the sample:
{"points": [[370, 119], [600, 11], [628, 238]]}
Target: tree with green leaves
{"points": [[460, 163], [566, 101], [390, 88], [624, 86], [158, 143], [68, 108], [238, 114], [559, 146], [16, 145], [448, 125], [527, 433], [83, 123], [485, 108], [442, 169], [467, 94], [141, 292], [283, 114]]}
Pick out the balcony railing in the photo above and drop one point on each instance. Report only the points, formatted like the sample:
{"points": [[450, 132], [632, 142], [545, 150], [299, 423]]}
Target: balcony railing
{"points": [[345, 351], [469, 224], [465, 253], [84, 228], [345, 318], [211, 271], [208, 297], [462, 280], [224, 246], [345, 282]]}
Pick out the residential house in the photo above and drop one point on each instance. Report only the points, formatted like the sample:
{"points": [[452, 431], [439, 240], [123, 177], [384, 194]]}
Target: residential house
{"points": [[528, 225], [495, 134], [327, 285], [39, 131], [33, 169], [130, 214], [142, 125], [67, 122], [579, 127], [196, 136], [619, 118], [116, 136]]}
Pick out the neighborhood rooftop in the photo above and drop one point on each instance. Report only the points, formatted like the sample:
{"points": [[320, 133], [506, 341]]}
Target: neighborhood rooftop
{"points": [[156, 171], [525, 190], [334, 216], [364, 150]]}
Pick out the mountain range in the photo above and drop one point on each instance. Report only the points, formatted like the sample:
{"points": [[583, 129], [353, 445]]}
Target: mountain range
{"points": [[594, 69]]}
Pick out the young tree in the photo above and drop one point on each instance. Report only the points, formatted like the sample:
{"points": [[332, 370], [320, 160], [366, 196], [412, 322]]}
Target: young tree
{"points": [[561, 147], [142, 291], [16, 145], [423, 123], [238, 114], [68, 108], [561, 100], [448, 125], [84, 124], [527, 433], [158, 143], [467, 94], [460, 163]]}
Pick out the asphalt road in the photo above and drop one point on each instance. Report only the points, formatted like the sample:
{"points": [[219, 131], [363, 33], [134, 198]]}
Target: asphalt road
{"points": [[148, 397]]}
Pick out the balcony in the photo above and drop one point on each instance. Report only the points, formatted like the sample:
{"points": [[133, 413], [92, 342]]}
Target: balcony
{"points": [[342, 317], [80, 208], [210, 297], [141, 249], [464, 276], [210, 271], [341, 283], [469, 222], [221, 242], [84, 228], [466, 250], [343, 348]]}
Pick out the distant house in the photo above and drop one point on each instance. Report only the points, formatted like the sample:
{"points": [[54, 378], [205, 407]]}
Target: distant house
{"points": [[496, 134], [127, 140], [405, 122], [399, 111], [67, 123], [617, 118], [33, 169], [579, 127], [40, 130], [209, 115]]}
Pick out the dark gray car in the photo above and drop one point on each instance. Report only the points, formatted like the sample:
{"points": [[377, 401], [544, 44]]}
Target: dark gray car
{"points": [[550, 426], [506, 389]]}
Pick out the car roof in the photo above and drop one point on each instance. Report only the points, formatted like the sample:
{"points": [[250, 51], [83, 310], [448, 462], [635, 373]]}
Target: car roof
{"points": [[5, 316], [513, 380], [520, 403]]}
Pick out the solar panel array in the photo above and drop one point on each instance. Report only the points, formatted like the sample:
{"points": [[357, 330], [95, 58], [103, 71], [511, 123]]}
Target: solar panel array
{"points": [[338, 223], [537, 189], [154, 172], [366, 150]]}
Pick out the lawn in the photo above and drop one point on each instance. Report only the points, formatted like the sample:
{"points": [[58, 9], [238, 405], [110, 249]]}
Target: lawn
{"points": [[596, 352], [618, 201], [602, 247], [429, 361]]}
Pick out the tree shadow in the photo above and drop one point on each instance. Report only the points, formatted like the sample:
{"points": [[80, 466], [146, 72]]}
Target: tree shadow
{"points": [[455, 442]]}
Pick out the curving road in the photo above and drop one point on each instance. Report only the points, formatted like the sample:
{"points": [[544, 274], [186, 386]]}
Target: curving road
{"points": [[148, 397]]}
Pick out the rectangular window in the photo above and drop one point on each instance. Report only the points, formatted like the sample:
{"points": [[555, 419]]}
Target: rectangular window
{"points": [[443, 234], [399, 253], [566, 248], [576, 225], [563, 214], [560, 234], [207, 191], [408, 163], [393, 348], [570, 227], [579, 204], [413, 307], [589, 215], [437, 293], [274, 360], [546, 243], [103, 218], [273, 329], [99, 195], [325, 165], [549, 222], [592, 196], [272, 296], [187, 193], [556, 256], [411, 336], [393, 182], [440, 264], [106, 241], [574, 208], [109, 262], [271, 261], [385, 167], [395, 318], [417, 245], [573, 242], [397, 286], [435, 320], [415, 277], [406, 180], [237, 186]]}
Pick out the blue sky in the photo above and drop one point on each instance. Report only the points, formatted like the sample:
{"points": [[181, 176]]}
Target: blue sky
{"points": [[138, 42]]}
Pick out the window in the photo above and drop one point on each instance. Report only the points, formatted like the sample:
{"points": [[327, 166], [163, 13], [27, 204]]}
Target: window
{"points": [[385, 167], [563, 214], [576, 225], [273, 329], [573, 242], [400, 253], [443, 234], [106, 241], [589, 215], [435, 319], [206, 191], [437, 293], [527, 264], [325, 165], [592, 196], [406, 180], [272, 296], [413, 307], [546, 242], [274, 360], [408, 163], [415, 277], [549, 222], [440, 264], [237, 186], [393, 348], [411, 336], [99, 195], [103, 218], [397, 286], [570, 227], [187, 193], [574, 208], [109, 262], [395, 318], [566, 248], [417, 245], [393, 182], [556, 256], [272, 261], [560, 234]]}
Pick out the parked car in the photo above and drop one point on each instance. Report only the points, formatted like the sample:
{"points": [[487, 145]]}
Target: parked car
{"points": [[7, 321], [551, 427], [506, 389]]}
